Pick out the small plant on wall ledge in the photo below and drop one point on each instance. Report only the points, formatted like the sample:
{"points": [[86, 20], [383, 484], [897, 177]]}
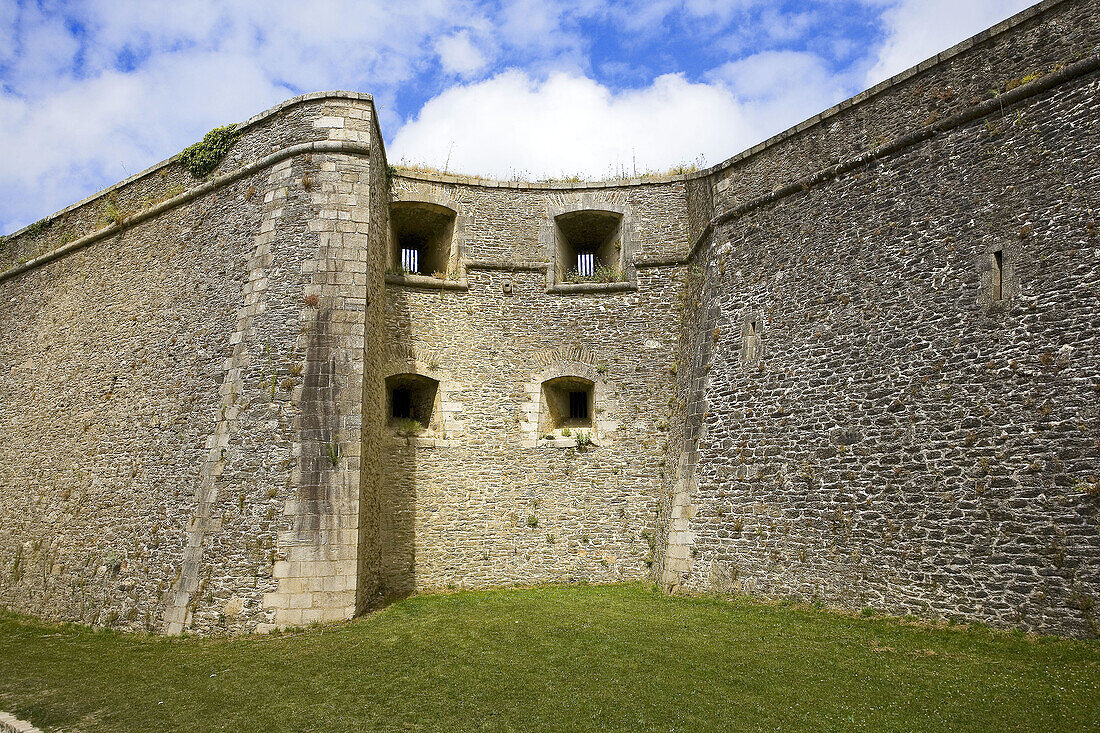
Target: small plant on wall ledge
{"points": [[584, 440], [203, 157], [333, 451], [603, 274], [407, 427]]}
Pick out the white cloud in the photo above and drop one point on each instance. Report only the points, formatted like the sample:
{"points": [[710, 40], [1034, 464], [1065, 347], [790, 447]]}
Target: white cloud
{"points": [[514, 124], [61, 147], [458, 54], [71, 122], [919, 29], [67, 131], [778, 89], [517, 125]]}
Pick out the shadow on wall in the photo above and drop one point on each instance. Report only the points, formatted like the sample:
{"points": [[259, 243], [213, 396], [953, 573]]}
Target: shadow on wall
{"points": [[318, 432], [402, 420]]}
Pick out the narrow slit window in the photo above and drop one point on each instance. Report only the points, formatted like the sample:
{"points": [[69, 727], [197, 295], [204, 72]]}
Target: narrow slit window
{"points": [[998, 268], [752, 340], [410, 260], [586, 264], [578, 405], [402, 403]]}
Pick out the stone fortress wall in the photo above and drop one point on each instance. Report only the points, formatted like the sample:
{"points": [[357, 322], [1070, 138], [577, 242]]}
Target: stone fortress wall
{"points": [[804, 383]]}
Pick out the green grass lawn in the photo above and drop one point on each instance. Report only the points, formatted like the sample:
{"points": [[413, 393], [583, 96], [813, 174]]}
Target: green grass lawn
{"points": [[559, 658]]}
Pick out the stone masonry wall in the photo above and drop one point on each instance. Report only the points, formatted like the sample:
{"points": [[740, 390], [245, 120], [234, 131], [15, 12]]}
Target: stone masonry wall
{"points": [[301, 386], [111, 361], [484, 501], [804, 385], [174, 390], [900, 440]]}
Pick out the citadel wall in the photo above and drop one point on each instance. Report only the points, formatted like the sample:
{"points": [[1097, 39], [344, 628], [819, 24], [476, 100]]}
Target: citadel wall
{"points": [[866, 424], [801, 386], [893, 437], [178, 380], [491, 501]]}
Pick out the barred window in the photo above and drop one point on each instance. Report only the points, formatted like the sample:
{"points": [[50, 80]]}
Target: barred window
{"points": [[586, 264]]}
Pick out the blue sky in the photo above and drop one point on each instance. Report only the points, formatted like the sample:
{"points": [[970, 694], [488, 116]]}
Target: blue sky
{"points": [[96, 90]]}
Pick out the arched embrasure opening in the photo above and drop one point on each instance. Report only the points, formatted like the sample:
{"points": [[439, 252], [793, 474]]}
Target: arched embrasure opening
{"points": [[567, 402], [411, 398], [422, 238], [589, 246]]}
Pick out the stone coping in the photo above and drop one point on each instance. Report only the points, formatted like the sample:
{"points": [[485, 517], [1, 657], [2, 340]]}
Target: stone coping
{"points": [[583, 288], [567, 442], [426, 282], [989, 106], [1004, 26], [11, 724], [510, 266], [426, 440]]}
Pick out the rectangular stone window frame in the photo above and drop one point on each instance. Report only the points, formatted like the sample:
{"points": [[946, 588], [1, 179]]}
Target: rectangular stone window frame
{"points": [[537, 424], [423, 240], [588, 244], [412, 397]]}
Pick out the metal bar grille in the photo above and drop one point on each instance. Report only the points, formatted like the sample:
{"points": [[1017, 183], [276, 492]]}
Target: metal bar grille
{"points": [[586, 264], [410, 260]]}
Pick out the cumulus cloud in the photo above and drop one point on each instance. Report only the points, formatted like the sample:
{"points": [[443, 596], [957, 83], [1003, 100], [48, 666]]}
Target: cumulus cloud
{"points": [[778, 89], [459, 55], [919, 29], [514, 124], [94, 90], [65, 145], [99, 89]]}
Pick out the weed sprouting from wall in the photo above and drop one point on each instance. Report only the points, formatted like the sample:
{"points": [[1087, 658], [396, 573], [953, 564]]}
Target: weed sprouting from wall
{"points": [[112, 212], [602, 274], [203, 157], [407, 427], [38, 227]]}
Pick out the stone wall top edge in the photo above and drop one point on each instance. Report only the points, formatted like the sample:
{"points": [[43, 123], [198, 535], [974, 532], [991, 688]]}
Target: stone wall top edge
{"points": [[475, 181], [896, 80], [240, 126], [887, 84], [1000, 28], [1082, 68]]}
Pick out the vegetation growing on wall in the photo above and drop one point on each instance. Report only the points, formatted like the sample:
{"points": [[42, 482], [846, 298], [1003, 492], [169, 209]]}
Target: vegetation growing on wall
{"points": [[203, 157], [38, 227], [602, 274]]}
